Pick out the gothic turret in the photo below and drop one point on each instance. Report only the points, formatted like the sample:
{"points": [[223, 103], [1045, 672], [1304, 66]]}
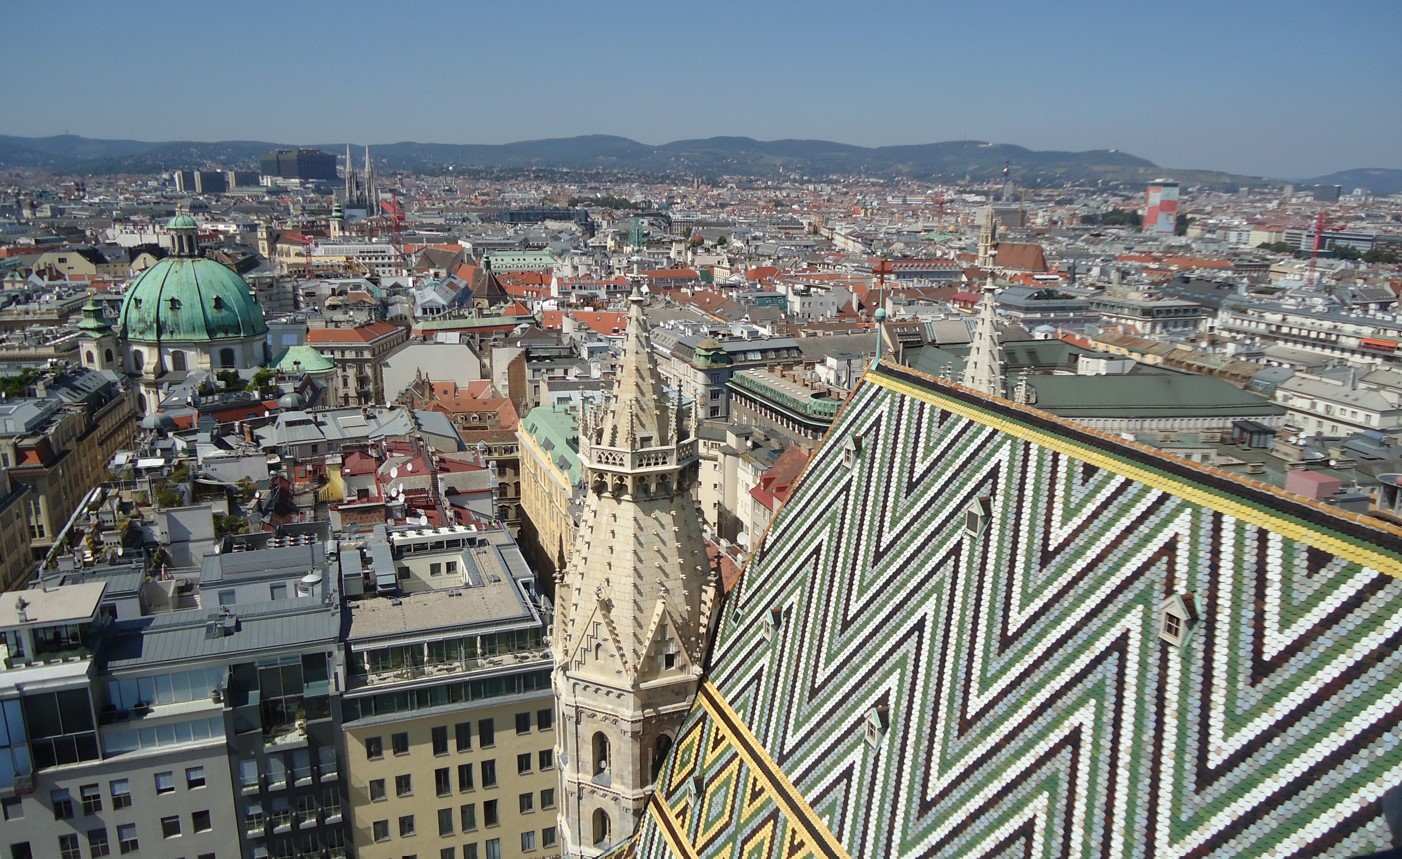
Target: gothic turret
{"points": [[634, 605], [988, 241], [984, 371]]}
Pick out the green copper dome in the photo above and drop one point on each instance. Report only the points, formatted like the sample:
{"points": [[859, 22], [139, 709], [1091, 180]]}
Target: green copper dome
{"points": [[189, 299], [305, 359], [182, 221]]}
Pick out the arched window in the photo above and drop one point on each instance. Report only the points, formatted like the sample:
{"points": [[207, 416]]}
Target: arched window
{"points": [[601, 827], [92, 359], [138, 360], [601, 753], [141, 403], [108, 356], [659, 754], [226, 358], [177, 361]]}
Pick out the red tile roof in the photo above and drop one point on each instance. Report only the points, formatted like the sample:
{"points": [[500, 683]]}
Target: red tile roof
{"points": [[775, 484], [366, 333], [608, 324]]}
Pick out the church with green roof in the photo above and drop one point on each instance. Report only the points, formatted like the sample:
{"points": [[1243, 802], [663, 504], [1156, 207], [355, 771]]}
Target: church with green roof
{"points": [[184, 313]]}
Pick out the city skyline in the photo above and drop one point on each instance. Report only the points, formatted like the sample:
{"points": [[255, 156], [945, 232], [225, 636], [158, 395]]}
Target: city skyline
{"points": [[1233, 90]]}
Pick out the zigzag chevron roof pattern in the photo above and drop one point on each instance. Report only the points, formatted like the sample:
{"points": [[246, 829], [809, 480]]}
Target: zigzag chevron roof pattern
{"points": [[1033, 708]]}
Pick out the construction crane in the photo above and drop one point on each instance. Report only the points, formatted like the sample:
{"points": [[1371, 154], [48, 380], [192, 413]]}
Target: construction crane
{"points": [[1319, 227]]}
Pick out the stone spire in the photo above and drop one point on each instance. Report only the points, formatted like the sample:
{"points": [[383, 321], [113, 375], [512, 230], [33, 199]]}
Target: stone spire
{"points": [[984, 370], [349, 195], [633, 605], [638, 407], [988, 241], [372, 195]]}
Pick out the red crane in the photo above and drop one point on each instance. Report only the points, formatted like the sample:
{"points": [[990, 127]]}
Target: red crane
{"points": [[1319, 227]]}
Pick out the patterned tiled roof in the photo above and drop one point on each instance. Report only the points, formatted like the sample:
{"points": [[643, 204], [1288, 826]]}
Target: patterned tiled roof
{"points": [[950, 643]]}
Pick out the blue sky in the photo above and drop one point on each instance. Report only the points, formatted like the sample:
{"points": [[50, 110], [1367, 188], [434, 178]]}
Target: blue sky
{"points": [[1285, 88]]}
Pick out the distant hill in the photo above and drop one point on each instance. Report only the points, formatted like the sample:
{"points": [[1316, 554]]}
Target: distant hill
{"points": [[743, 156], [1376, 180], [953, 161]]}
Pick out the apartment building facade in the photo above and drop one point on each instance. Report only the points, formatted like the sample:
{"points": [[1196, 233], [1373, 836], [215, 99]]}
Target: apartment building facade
{"points": [[359, 354], [449, 716]]}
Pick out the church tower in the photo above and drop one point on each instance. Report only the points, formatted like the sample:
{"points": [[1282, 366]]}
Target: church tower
{"points": [[634, 605], [97, 342], [988, 241]]}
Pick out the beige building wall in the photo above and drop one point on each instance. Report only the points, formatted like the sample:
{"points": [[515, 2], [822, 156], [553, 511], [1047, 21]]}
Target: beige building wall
{"points": [[16, 564], [435, 785], [545, 500], [82, 448]]}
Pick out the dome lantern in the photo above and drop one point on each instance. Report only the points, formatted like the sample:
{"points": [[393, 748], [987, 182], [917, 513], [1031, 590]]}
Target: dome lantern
{"points": [[184, 232]]}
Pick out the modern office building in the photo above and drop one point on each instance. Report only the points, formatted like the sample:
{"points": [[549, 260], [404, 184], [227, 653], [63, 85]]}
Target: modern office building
{"points": [[303, 164], [140, 717], [201, 181]]}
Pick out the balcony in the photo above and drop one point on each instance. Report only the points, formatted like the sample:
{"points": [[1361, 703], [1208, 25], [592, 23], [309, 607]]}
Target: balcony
{"points": [[444, 670]]}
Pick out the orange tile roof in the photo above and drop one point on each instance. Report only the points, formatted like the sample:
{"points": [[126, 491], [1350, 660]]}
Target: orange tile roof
{"points": [[523, 278], [609, 324], [360, 334], [478, 396]]}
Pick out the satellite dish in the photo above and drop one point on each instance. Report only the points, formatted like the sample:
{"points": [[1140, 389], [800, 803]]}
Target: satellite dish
{"points": [[409, 467], [423, 519], [393, 472]]}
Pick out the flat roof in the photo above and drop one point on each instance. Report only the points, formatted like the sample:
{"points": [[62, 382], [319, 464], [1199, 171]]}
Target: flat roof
{"points": [[413, 615], [63, 604]]}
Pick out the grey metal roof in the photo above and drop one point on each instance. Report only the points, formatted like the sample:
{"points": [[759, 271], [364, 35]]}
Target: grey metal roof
{"points": [[288, 624], [272, 562], [1147, 395]]}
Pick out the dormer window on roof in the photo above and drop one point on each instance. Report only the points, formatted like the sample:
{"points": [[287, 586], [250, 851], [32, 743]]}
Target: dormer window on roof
{"points": [[1178, 616], [977, 515], [851, 449], [878, 720]]}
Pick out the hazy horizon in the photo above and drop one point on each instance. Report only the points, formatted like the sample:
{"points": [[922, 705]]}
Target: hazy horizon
{"points": [[1253, 90]]}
